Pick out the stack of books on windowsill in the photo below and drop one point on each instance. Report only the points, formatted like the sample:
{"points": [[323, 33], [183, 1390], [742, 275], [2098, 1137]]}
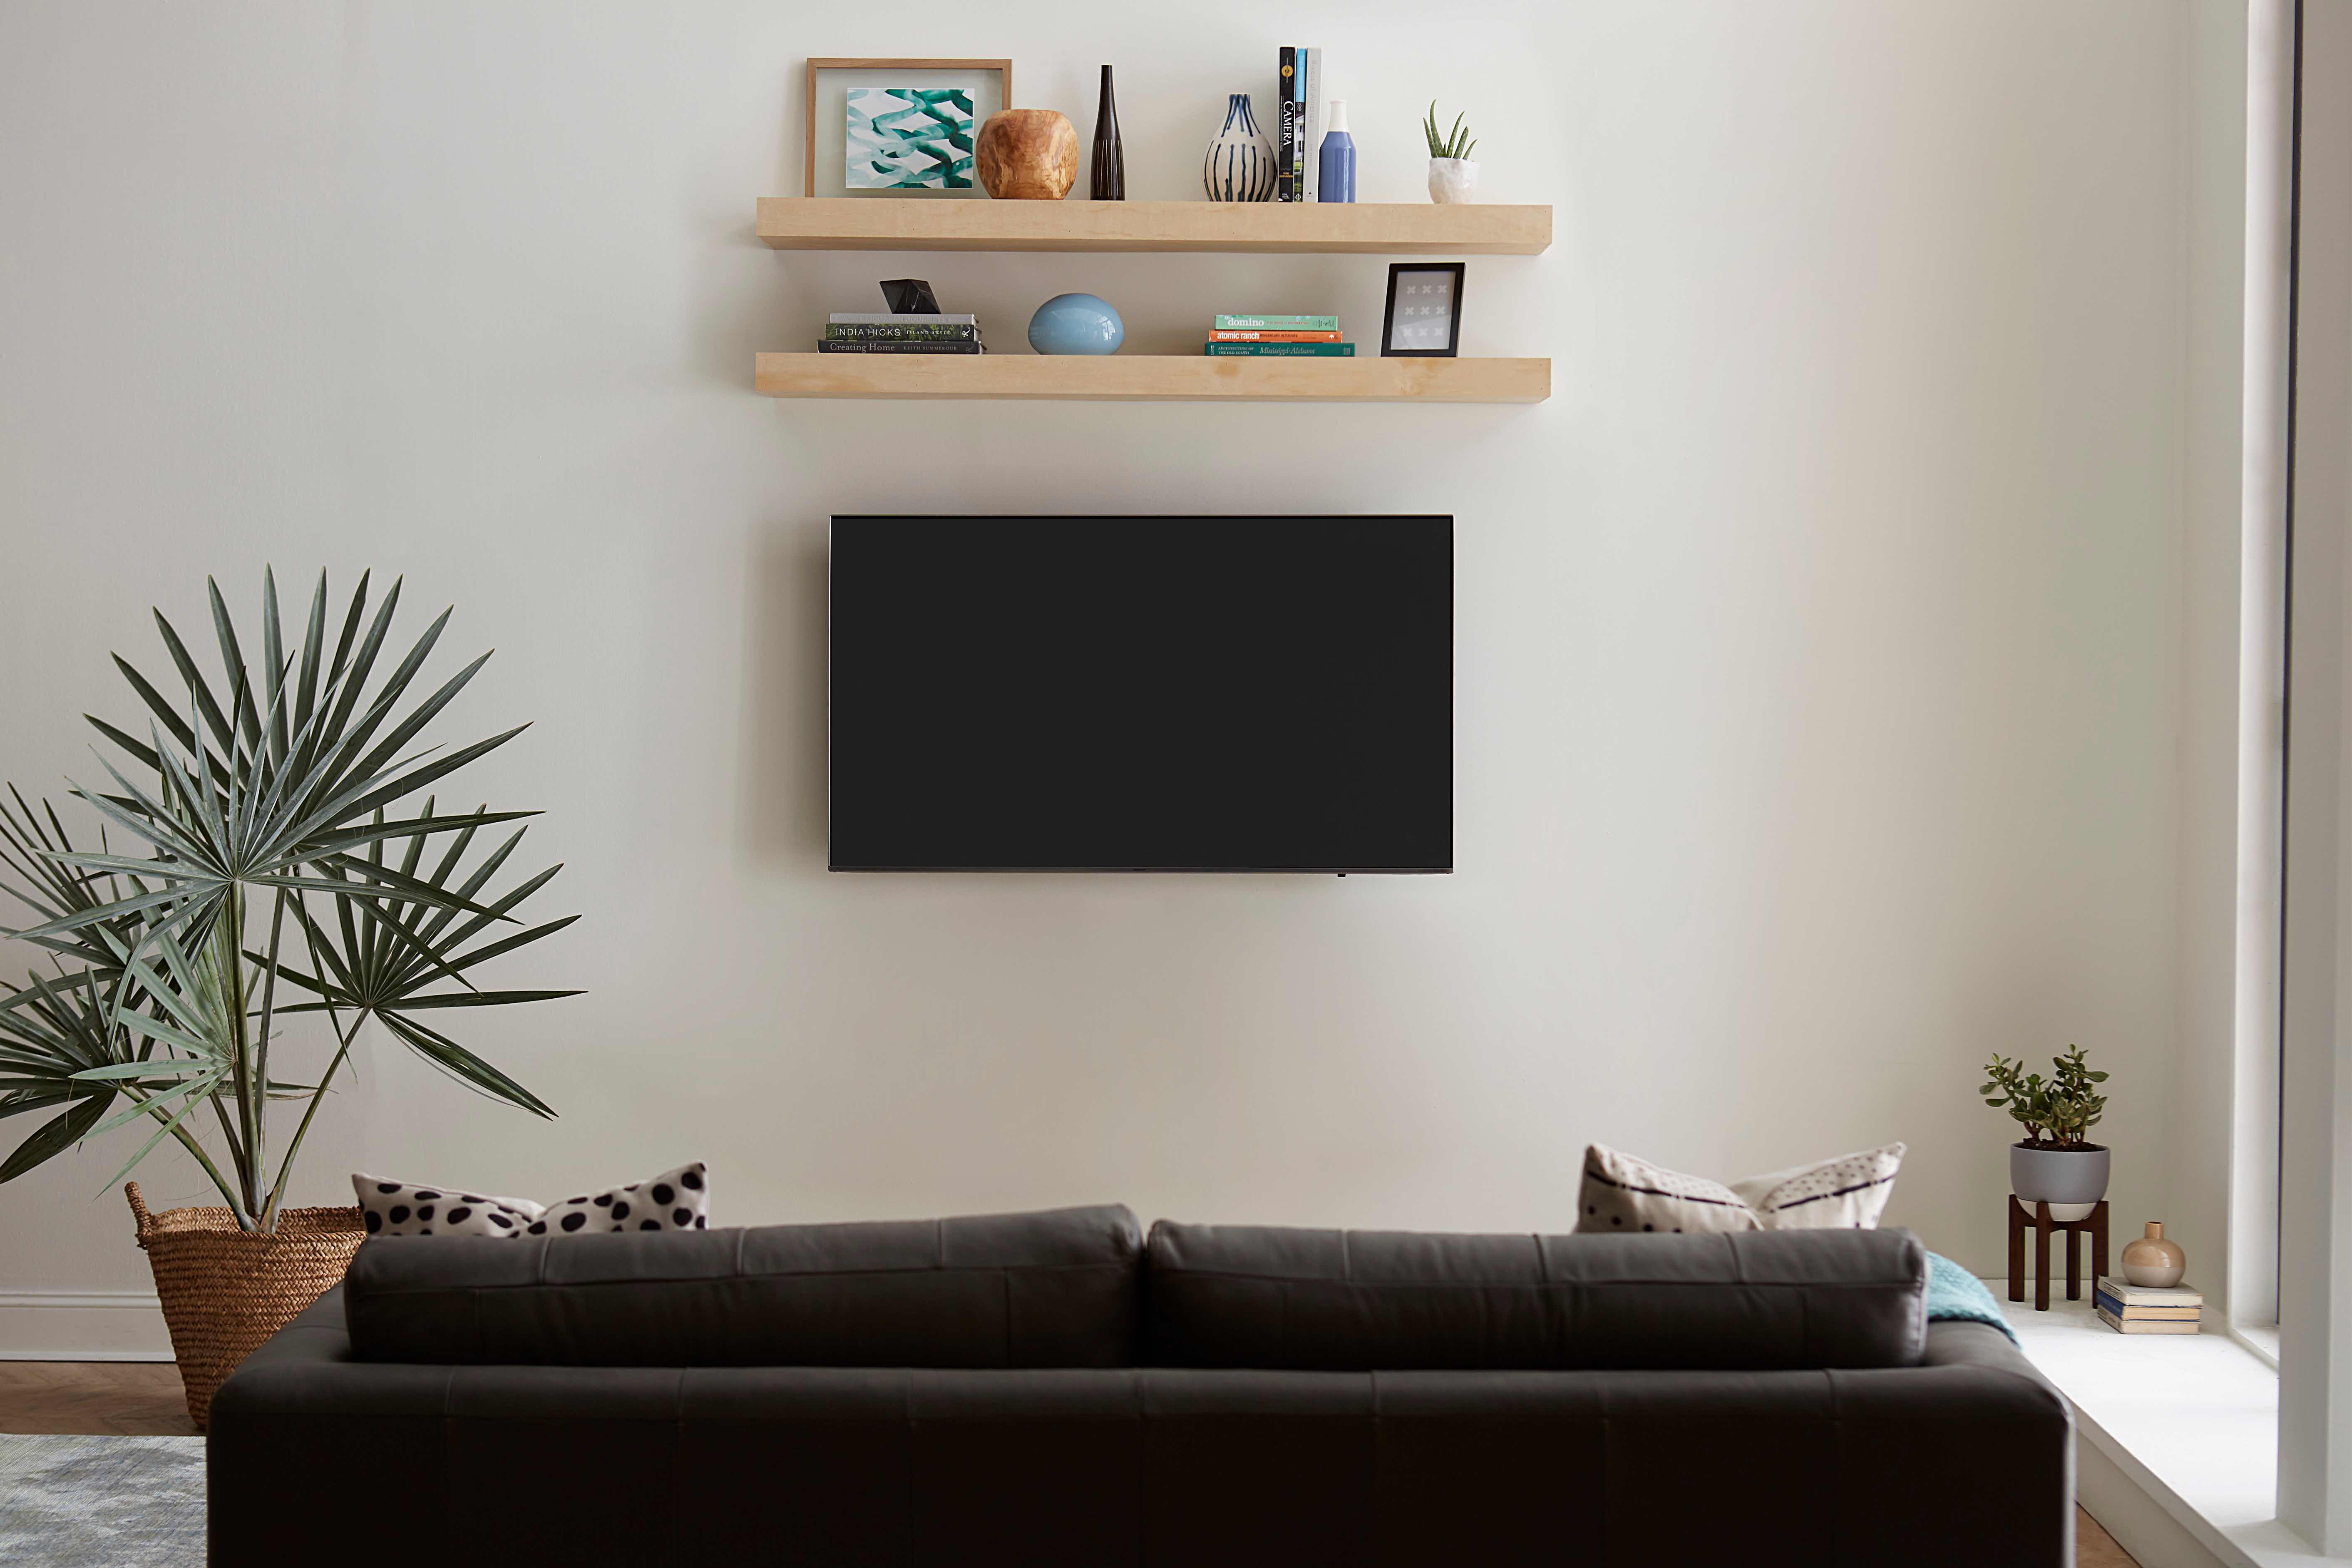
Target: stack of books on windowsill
{"points": [[2127, 1308], [1279, 338], [885, 332]]}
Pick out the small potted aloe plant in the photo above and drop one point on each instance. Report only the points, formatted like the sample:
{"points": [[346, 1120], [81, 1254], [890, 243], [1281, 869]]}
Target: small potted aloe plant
{"points": [[1453, 174], [2055, 1162]]}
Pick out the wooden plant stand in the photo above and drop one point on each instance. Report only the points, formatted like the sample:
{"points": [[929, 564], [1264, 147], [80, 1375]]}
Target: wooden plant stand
{"points": [[2037, 1220]]}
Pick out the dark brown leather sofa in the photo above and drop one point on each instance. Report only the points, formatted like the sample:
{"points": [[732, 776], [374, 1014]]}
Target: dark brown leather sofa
{"points": [[1055, 1389]]}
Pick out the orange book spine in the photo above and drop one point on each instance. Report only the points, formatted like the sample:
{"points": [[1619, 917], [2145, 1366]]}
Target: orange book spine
{"points": [[1234, 335]]}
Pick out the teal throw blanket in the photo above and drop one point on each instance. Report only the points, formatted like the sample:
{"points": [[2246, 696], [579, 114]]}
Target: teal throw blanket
{"points": [[1954, 1293]]}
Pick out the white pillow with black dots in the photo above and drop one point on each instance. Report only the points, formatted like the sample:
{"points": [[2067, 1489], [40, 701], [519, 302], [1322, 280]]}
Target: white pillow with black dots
{"points": [[675, 1200], [416, 1208]]}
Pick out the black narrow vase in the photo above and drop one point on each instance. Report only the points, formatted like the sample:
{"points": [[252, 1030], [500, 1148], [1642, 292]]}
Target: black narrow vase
{"points": [[1111, 159]]}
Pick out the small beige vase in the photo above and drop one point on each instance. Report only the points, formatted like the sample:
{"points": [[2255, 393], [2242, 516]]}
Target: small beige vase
{"points": [[2152, 1262]]}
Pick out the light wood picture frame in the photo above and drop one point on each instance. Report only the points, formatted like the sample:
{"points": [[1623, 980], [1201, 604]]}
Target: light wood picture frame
{"points": [[812, 97]]}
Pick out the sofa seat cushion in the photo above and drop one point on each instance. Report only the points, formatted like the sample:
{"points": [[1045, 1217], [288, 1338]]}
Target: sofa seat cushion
{"points": [[1251, 1296], [905, 1468], [1049, 1290]]}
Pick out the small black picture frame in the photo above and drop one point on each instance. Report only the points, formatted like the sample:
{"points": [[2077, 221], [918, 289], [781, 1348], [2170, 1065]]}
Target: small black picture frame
{"points": [[1428, 287]]}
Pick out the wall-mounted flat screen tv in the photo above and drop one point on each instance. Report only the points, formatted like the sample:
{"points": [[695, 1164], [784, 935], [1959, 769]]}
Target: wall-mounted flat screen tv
{"points": [[1142, 694]]}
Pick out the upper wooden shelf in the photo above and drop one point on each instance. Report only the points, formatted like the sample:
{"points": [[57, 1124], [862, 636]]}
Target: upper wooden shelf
{"points": [[1419, 228]]}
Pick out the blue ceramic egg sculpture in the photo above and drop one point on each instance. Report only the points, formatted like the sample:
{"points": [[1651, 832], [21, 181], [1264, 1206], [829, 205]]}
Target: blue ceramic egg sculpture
{"points": [[1077, 324]]}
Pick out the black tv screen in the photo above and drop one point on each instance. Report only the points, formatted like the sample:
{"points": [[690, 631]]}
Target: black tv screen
{"points": [[1142, 694]]}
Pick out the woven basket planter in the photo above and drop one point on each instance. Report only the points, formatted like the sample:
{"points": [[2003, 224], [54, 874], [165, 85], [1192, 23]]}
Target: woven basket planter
{"points": [[225, 1291]]}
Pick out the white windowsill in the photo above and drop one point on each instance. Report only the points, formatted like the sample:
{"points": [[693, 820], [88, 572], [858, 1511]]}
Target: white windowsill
{"points": [[2191, 1420], [2262, 1339]]}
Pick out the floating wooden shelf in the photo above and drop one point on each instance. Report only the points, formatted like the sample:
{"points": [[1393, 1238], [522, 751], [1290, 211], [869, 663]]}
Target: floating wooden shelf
{"points": [[881, 223], [1147, 377]]}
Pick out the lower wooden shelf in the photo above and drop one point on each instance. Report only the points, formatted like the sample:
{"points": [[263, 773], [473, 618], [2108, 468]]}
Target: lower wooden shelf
{"points": [[1153, 377]]}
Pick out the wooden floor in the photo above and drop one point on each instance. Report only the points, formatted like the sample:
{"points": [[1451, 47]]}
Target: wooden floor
{"points": [[133, 1399], [2094, 1548], [137, 1398]]}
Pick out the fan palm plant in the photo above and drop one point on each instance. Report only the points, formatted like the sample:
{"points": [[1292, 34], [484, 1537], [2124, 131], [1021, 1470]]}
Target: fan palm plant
{"points": [[280, 868]]}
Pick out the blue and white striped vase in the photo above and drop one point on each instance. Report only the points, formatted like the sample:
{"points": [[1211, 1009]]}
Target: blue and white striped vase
{"points": [[1240, 165]]}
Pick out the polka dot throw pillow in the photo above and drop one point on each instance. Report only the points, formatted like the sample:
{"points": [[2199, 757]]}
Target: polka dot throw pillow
{"points": [[1848, 1193], [1622, 1194], [674, 1200], [415, 1208]]}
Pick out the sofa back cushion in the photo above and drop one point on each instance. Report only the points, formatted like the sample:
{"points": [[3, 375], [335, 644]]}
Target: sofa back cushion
{"points": [[1050, 1289], [1250, 1296]]}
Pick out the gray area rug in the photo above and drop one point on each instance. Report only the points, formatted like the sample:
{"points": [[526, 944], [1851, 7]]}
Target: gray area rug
{"points": [[102, 1502]]}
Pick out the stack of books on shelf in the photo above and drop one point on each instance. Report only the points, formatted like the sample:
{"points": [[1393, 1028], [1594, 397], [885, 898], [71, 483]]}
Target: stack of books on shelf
{"points": [[1279, 337], [886, 332], [2127, 1308]]}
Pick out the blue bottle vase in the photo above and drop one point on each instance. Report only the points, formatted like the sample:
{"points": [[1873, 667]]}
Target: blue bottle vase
{"points": [[1334, 167]]}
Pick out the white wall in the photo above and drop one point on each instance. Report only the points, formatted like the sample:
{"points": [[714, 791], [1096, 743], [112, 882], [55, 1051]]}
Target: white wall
{"points": [[1820, 641]]}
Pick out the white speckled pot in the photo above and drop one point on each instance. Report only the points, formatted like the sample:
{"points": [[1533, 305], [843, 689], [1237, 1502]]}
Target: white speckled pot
{"points": [[1452, 180], [2072, 1181]]}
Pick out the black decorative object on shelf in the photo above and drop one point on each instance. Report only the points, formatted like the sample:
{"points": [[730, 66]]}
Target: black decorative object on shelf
{"points": [[1110, 157], [910, 297]]}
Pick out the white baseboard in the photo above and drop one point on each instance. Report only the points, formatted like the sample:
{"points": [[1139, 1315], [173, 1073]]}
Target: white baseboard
{"points": [[2126, 1511], [82, 1325]]}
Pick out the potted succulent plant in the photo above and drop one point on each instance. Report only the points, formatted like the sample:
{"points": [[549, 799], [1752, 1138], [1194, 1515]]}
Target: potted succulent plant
{"points": [[2055, 1162], [268, 853], [1453, 174]]}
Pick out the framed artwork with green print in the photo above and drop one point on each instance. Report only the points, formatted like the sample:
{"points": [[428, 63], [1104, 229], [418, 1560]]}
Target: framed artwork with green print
{"points": [[898, 128]]}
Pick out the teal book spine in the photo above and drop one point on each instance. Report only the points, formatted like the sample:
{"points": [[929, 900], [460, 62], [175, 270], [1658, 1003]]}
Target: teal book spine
{"points": [[1279, 350], [1276, 324]]}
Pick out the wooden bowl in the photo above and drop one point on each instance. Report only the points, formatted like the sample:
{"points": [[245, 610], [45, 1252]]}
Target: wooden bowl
{"points": [[1027, 155]]}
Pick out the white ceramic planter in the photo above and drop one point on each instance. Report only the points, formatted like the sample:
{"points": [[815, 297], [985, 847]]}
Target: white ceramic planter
{"points": [[2072, 1181], [1452, 180]]}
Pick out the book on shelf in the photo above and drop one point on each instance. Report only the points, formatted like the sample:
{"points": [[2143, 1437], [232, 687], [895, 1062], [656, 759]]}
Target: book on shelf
{"points": [[1276, 323], [2142, 1297], [901, 346], [902, 331], [2144, 1309], [1311, 115], [1286, 135], [1273, 335], [1280, 351], [2147, 1325], [891, 318]]}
